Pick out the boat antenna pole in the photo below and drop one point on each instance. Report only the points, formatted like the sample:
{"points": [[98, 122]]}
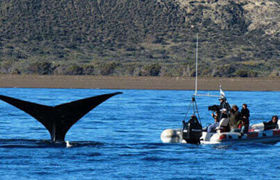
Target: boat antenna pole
{"points": [[193, 102], [196, 62]]}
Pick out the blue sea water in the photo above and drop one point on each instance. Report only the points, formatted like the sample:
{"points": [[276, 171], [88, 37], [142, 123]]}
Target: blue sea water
{"points": [[120, 139]]}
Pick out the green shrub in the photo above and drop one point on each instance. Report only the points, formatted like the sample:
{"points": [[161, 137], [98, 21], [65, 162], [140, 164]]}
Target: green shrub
{"points": [[242, 73], [70, 69], [7, 66], [41, 68], [224, 71], [107, 68], [74, 69], [89, 70], [151, 70]]}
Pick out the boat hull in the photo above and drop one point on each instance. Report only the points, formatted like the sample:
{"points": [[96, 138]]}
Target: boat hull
{"points": [[255, 136]]}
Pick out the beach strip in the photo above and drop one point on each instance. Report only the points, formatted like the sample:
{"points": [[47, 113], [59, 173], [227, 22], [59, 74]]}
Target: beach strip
{"points": [[164, 83]]}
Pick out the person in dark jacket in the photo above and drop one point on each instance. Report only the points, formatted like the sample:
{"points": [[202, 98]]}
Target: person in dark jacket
{"points": [[271, 124], [235, 116], [194, 130], [224, 105], [245, 114]]}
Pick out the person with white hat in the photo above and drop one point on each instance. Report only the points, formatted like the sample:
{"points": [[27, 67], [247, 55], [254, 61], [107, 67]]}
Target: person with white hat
{"points": [[224, 105], [224, 122]]}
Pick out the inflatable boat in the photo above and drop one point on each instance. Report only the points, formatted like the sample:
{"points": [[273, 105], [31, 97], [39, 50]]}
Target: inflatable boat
{"points": [[192, 132], [256, 134]]}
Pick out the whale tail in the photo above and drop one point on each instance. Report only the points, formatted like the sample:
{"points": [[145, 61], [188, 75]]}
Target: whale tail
{"points": [[58, 119]]}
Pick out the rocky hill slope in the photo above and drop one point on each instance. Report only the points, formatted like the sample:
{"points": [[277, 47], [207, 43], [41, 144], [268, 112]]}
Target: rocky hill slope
{"points": [[140, 37]]}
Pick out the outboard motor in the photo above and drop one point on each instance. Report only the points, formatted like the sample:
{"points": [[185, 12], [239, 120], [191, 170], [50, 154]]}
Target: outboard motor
{"points": [[192, 131]]}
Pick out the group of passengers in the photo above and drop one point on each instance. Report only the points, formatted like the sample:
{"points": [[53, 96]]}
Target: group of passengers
{"points": [[231, 119]]}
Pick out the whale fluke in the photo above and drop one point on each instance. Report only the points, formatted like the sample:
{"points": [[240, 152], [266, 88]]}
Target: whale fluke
{"points": [[58, 119]]}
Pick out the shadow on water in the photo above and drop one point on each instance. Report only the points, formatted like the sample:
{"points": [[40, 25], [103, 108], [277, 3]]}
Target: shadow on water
{"points": [[32, 143]]}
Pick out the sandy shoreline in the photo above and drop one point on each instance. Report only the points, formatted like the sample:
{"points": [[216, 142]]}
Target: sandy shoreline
{"points": [[104, 82]]}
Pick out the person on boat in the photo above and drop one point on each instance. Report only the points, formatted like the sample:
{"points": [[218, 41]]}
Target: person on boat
{"points": [[273, 124], [235, 116], [192, 123], [194, 130], [216, 110], [224, 105], [245, 114], [224, 122], [212, 127], [186, 125]]}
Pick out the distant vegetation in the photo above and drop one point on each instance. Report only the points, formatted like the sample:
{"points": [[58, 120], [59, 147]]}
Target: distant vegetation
{"points": [[140, 37]]}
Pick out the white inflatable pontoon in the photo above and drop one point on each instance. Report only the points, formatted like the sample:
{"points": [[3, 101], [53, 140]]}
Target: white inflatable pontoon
{"points": [[256, 134]]}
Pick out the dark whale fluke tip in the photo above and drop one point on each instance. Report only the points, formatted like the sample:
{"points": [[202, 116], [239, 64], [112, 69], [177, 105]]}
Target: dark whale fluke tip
{"points": [[118, 93], [59, 119]]}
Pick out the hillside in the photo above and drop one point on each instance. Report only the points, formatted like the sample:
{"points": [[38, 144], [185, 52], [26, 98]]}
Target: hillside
{"points": [[140, 37]]}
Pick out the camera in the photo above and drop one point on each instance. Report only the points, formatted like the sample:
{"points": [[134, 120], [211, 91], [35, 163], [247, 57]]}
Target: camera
{"points": [[214, 108]]}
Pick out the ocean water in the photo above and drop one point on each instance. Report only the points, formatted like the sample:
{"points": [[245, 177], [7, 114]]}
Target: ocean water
{"points": [[120, 139]]}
